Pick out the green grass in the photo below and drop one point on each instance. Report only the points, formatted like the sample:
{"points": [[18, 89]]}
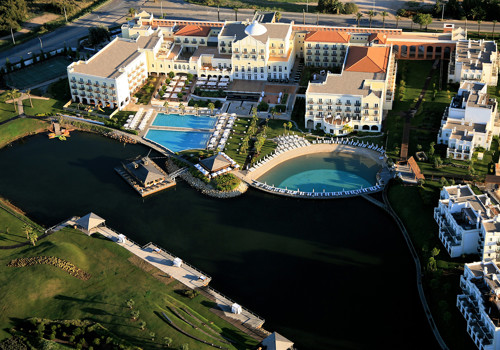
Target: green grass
{"points": [[414, 205], [38, 73], [18, 128], [7, 110], [47, 292], [42, 107]]}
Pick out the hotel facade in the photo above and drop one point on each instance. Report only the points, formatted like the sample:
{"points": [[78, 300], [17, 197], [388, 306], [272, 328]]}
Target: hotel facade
{"points": [[245, 50]]}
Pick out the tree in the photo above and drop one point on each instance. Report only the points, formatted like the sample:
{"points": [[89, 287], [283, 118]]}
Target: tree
{"points": [[350, 8], [130, 303], [142, 325], [411, 22], [27, 229], [132, 12], [358, 18], [152, 335], [478, 26], [431, 149], [419, 147], [171, 75], [196, 108], [185, 347], [211, 106], [12, 12], [493, 30], [422, 19], [33, 237], [28, 92], [431, 264], [98, 34], [273, 111], [167, 341], [182, 107], [435, 252], [135, 314], [384, 14], [278, 16], [285, 124], [290, 125], [397, 20], [236, 14], [13, 95], [371, 14]]}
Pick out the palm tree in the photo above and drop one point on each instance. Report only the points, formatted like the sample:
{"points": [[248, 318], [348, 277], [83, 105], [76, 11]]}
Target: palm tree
{"points": [[397, 20], [142, 324], [33, 237], [285, 124], [478, 26], [358, 17], [411, 21], [12, 95], [131, 12], [28, 92], [166, 106], [384, 14], [196, 109], [135, 314], [211, 106], [167, 341], [27, 229], [493, 30], [290, 125], [371, 14], [236, 14], [130, 303], [254, 112], [278, 16], [152, 335], [273, 111], [182, 107]]}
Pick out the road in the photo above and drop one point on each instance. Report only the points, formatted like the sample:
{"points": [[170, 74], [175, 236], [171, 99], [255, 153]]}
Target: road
{"points": [[115, 12]]}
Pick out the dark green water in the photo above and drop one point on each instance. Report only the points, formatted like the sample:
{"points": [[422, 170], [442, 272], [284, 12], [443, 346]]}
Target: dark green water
{"points": [[326, 274]]}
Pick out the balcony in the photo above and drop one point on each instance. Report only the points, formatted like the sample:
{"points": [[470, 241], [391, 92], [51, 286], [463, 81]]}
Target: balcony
{"points": [[88, 83], [89, 90], [81, 88]]}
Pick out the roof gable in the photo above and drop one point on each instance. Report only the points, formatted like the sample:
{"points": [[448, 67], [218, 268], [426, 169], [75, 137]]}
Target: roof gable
{"points": [[215, 163], [371, 59], [327, 36], [90, 221]]}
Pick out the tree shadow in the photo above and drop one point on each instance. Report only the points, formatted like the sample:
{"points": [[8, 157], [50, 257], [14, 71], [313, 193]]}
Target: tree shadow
{"points": [[79, 300]]}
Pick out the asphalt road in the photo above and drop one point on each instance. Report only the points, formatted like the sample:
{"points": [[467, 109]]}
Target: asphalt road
{"points": [[115, 12]]}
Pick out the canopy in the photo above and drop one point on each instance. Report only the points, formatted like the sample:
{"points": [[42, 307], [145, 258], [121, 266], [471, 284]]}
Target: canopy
{"points": [[236, 308], [177, 262], [90, 221]]}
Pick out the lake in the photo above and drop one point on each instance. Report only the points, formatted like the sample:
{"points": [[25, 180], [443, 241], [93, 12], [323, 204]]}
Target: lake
{"points": [[326, 274]]}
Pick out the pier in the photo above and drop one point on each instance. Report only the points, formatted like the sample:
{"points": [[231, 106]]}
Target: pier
{"points": [[187, 274]]}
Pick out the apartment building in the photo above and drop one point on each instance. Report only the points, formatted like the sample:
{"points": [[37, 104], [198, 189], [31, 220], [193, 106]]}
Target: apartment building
{"points": [[479, 303], [469, 122], [325, 49], [356, 98], [476, 60], [468, 223]]}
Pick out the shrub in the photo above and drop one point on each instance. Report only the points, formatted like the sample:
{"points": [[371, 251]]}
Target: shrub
{"points": [[263, 107], [350, 8], [51, 260], [280, 108], [226, 182]]}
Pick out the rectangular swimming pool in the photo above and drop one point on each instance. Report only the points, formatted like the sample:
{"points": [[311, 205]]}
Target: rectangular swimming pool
{"points": [[184, 121], [177, 141]]}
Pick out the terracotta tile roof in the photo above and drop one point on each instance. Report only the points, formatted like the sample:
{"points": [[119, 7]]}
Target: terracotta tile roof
{"points": [[327, 37], [371, 59], [382, 38], [193, 30]]}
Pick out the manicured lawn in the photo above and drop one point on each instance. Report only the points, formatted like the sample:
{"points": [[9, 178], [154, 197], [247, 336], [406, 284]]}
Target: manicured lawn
{"points": [[414, 205], [19, 127], [42, 107], [48, 292], [7, 110]]}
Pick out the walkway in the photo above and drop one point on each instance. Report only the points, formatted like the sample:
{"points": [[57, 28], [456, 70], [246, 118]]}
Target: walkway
{"points": [[188, 275], [411, 113], [418, 268]]}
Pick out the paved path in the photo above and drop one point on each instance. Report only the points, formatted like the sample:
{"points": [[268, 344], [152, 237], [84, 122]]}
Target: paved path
{"points": [[411, 113]]}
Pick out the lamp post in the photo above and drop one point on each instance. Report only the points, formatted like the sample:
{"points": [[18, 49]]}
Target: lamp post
{"points": [[442, 13], [41, 44], [12, 33]]}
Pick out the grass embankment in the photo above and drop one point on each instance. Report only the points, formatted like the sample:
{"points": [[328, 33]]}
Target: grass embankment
{"points": [[414, 205], [117, 276], [18, 128]]}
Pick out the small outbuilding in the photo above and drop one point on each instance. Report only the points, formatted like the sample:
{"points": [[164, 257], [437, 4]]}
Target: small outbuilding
{"points": [[236, 309], [89, 223], [146, 172], [215, 163]]}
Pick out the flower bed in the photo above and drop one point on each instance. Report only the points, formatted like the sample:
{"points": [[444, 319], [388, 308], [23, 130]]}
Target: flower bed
{"points": [[51, 260]]}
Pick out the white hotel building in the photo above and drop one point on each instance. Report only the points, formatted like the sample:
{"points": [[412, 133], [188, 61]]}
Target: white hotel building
{"points": [[476, 60], [470, 121], [479, 303], [357, 96], [468, 223]]}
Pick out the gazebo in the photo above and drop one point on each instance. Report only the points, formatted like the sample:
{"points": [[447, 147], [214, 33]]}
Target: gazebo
{"points": [[277, 342], [89, 223], [216, 165]]}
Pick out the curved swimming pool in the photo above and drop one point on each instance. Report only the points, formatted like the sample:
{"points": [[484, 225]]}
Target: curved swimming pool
{"points": [[329, 171]]}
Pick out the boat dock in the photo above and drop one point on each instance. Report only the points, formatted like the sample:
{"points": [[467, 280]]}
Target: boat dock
{"points": [[183, 272]]}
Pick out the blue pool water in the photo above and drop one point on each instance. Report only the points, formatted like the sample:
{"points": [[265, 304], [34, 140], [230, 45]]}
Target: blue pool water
{"points": [[178, 140], [184, 121], [332, 172]]}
